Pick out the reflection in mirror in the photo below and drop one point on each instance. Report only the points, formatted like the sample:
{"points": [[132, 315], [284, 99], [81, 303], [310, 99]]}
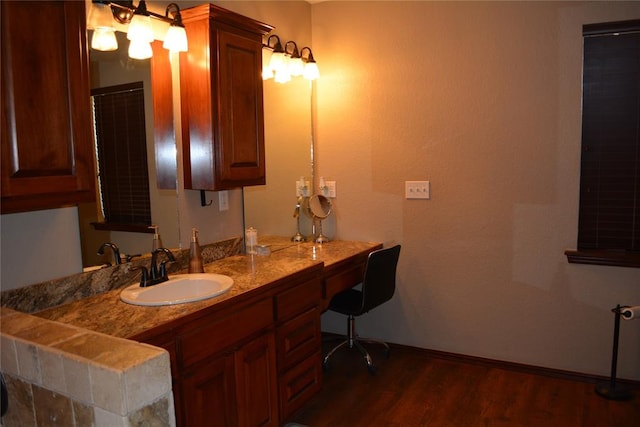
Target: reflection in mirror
{"points": [[288, 150], [110, 69]]}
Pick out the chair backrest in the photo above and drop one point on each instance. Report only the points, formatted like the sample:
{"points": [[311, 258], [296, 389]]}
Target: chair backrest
{"points": [[379, 282]]}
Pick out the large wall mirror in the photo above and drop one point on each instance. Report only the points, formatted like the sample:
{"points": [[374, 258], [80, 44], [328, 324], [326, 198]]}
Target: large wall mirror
{"points": [[111, 69], [288, 140]]}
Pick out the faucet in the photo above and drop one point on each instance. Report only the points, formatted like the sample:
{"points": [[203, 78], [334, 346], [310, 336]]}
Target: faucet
{"points": [[156, 274], [114, 248]]}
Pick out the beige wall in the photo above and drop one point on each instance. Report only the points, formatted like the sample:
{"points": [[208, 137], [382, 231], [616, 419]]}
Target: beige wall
{"points": [[483, 100]]}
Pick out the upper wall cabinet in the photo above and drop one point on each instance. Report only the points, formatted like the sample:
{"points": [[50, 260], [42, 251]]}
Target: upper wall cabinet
{"points": [[221, 100], [47, 157]]}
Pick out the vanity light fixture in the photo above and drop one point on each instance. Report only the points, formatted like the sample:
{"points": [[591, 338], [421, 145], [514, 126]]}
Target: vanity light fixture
{"points": [[140, 30], [282, 63]]}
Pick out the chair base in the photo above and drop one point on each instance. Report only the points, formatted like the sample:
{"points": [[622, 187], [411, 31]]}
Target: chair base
{"points": [[353, 340]]}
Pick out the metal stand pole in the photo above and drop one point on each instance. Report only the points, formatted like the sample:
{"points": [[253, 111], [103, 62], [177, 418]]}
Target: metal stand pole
{"points": [[611, 390]]}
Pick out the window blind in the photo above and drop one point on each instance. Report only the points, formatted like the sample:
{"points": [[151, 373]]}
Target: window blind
{"points": [[122, 153]]}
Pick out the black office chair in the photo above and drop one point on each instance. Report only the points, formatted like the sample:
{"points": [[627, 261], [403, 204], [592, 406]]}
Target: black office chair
{"points": [[378, 286]]}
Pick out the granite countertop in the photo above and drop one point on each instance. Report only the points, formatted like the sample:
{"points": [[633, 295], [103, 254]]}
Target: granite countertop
{"points": [[106, 313]]}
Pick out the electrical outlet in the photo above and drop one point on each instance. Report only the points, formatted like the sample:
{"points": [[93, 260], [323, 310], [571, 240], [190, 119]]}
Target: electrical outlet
{"points": [[331, 189], [223, 201], [302, 188], [417, 190]]}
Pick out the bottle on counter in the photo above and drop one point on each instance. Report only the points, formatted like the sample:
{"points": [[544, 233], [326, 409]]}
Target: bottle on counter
{"points": [[196, 264], [157, 241], [251, 240]]}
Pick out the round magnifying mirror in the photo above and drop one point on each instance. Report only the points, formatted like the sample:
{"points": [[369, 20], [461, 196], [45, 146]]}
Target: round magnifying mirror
{"points": [[319, 206]]}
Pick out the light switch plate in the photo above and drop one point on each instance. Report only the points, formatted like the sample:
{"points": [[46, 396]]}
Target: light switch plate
{"points": [[417, 189], [223, 201]]}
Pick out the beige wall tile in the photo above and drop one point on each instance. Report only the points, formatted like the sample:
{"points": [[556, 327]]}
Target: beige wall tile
{"points": [[52, 370], [146, 382], [8, 357], [76, 375], [28, 365], [107, 389]]}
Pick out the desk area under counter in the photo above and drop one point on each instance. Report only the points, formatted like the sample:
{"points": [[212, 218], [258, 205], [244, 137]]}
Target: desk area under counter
{"points": [[258, 346]]}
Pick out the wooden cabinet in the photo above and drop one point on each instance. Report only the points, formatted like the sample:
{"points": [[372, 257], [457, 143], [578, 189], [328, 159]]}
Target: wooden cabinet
{"points": [[246, 361], [47, 148], [228, 368], [235, 388], [221, 100]]}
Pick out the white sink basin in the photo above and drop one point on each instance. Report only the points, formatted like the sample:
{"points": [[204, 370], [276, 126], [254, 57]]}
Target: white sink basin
{"points": [[180, 288]]}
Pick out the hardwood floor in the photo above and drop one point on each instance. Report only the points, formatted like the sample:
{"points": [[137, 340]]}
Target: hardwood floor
{"points": [[416, 388]]}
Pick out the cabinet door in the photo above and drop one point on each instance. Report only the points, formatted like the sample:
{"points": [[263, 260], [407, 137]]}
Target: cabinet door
{"points": [[221, 100], [241, 111], [209, 393], [47, 148], [257, 382]]}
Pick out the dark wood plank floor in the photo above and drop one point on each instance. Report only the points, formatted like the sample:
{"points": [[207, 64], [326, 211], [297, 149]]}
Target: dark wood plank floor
{"points": [[416, 388]]}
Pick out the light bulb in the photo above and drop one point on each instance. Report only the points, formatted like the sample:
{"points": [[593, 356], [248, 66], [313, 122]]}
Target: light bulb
{"points": [[296, 66], [176, 39], [282, 76], [104, 39], [140, 49], [278, 62], [311, 71]]}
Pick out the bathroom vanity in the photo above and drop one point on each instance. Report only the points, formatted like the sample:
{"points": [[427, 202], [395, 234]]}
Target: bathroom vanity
{"points": [[251, 356]]}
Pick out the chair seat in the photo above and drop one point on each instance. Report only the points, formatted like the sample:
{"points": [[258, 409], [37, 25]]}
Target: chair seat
{"points": [[347, 302]]}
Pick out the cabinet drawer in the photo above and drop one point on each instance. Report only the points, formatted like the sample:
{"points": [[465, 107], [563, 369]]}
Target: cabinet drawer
{"points": [[298, 338], [342, 281], [299, 384], [295, 300], [223, 332]]}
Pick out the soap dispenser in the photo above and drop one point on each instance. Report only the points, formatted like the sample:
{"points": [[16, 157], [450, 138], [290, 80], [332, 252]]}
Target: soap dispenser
{"points": [[157, 242], [196, 264]]}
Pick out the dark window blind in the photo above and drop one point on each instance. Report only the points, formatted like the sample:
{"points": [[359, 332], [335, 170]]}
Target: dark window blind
{"points": [[609, 218], [122, 153]]}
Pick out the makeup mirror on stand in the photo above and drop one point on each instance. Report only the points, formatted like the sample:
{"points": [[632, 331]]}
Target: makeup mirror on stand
{"points": [[319, 208]]}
